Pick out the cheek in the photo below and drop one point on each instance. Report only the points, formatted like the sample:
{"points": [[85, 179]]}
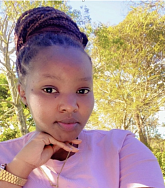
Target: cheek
{"points": [[37, 104], [41, 112], [88, 105], [91, 102]]}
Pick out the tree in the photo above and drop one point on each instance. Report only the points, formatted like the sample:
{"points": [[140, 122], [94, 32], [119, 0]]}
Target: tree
{"points": [[129, 70], [5, 101], [7, 119]]}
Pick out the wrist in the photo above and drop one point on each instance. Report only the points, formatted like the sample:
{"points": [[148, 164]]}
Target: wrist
{"points": [[10, 178], [19, 168]]}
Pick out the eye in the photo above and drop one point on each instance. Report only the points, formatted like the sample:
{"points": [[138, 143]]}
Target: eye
{"points": [[50, 90], [83, 91]]}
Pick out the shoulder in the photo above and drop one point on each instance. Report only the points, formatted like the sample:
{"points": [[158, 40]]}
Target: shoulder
{"points": [[10, 148], [118, 141], [112, 132], [114, 138]]}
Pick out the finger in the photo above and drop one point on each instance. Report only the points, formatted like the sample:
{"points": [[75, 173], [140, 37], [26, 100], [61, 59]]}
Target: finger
{"points": [[74, 149], [49, 140], [48, 151], [76, 141], [55, 148], [59, 144], [32, 136], [42, 135]]}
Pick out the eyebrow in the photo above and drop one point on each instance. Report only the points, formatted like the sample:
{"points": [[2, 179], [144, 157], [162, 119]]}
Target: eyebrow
{"points": [[85, 79], [58, 78], [51, 76]]}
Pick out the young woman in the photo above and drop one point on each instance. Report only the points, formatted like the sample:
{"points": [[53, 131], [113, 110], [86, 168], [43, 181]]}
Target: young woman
{"points": [[55, 83]]}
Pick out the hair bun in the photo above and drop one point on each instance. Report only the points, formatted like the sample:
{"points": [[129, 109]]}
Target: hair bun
{"points": [[45, 19]]}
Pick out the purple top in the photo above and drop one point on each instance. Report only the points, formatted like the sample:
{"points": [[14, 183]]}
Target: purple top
{"points": [[109, 159]]}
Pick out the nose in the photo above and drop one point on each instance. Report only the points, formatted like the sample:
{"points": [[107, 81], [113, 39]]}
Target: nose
{"points": [[68, 103]]}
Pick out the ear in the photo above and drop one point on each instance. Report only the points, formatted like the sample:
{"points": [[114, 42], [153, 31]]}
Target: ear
{"points": [[21, 92]]}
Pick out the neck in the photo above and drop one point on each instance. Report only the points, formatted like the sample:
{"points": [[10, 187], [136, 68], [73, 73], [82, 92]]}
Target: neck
{"points": [[61, 154]]}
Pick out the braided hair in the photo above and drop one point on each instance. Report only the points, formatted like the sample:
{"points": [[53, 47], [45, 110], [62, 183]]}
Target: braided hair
{"points": [[42, 27]]}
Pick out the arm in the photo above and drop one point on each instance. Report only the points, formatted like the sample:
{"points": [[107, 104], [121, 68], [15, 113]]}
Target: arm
{"points": [[138, 166], [19, 172], [42, 146]]}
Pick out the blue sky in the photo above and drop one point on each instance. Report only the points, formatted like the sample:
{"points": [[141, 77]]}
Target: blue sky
{"points": [[111, 12]]}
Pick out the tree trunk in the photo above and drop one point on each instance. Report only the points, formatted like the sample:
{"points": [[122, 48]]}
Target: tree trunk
{"points": [[12, 82], [140, 131], [21, 118], [16, 100]]}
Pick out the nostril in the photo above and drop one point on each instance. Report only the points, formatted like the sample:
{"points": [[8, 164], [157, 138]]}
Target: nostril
{"points": [[68, 103], [68, 108], [75, 110]]}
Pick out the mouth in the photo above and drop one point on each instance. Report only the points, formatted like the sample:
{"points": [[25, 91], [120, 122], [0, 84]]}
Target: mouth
{"points": [[67, 125]]}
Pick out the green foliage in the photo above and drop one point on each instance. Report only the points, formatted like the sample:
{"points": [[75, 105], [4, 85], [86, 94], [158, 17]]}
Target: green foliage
{"points": [[6, 107], [3, 87], [9, 133], [161, 160], [129, 70]]}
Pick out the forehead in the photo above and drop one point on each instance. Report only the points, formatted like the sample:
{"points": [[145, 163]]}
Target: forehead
{"points": [[58, 60]]}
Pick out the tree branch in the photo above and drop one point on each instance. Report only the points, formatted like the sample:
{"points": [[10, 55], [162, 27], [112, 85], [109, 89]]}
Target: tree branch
{"points": [[12, 50], [7, 68], [9, 111], [3, 100]]}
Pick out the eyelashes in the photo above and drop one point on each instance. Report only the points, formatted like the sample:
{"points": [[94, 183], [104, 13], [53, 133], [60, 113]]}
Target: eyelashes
{"points": [[51, 90], [83, 91]]}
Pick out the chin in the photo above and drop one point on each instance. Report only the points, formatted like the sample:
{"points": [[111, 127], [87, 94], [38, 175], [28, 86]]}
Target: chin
{"points": [[66, 137]]}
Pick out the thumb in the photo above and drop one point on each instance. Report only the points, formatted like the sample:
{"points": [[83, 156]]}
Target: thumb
{"points": [[55, 148], [49, 151]]}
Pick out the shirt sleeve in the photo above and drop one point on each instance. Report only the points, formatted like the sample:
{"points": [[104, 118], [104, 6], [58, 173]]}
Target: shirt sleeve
{"points": [[138, 166]]}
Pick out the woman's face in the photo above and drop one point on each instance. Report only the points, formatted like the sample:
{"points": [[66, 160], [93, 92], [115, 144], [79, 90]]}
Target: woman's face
{"points": [[59, 91]]}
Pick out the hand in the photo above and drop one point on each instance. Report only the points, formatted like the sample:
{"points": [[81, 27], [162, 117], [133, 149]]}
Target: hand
{"points": [[40, 148]]}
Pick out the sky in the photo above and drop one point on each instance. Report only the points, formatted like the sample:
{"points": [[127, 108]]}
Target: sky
{"points": [[111, 12]]}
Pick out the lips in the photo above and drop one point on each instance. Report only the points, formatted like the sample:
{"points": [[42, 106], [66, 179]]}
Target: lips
{"points": [[68, 124]]}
